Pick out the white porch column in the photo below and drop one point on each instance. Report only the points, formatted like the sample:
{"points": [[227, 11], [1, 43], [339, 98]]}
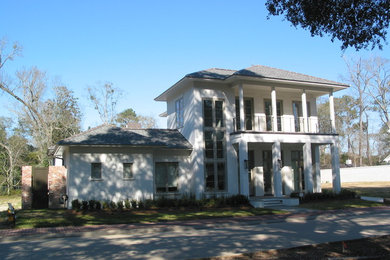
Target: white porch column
{"points": [[276, 156], [331, 112], [317, 169], [274, 110], [241, 101], [307, 168], [304, 112], [243, 154], [336, 181]]}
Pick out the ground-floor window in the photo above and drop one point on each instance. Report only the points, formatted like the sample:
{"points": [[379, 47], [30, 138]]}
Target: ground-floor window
{"points": [[127, 171], [166, 175], [96, 171], [214, 145]]}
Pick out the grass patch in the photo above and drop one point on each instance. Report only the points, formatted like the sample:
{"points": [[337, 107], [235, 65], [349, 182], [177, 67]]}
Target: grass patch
{"points": [[15, 198], [63, 217], [339, 204], [370, 189]]}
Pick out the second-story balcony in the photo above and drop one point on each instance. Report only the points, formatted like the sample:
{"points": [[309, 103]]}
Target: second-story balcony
{"points": [[285, 123]]}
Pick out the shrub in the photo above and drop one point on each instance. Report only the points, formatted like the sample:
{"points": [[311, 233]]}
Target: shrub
{"points": [[134, 204], [127, 204], [237, 200], [98, 205], [106, 205], [76, 204], [328, 195], [141, 204], [84, 205], [149, 203], [92, 204], [112, 205], [120, 205]]}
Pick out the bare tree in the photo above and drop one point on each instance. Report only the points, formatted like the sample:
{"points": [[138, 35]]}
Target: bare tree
{"points": [[104, 98], [380, 87], [360, 80], [11, 151], [44, 119]]}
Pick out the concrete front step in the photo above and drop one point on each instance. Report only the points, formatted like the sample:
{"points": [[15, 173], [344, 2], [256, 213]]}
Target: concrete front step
{"points": [[261, 202]]}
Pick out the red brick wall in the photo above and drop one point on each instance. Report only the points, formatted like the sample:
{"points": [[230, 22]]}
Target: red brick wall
{"points": [[26, 187], [56, 185]]}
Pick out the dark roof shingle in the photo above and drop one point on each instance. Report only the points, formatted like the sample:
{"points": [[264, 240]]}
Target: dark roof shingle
{"points": [[259, 71], [112, 135]]}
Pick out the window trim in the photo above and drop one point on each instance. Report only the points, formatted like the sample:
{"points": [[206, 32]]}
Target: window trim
{"points": [[131, 171], [179, 110], [215, 160], [101, 171], [166, 184]]}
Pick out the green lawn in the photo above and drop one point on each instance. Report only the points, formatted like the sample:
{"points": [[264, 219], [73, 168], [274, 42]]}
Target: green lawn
{"points": [[62, 217], [339, 204], [15, 199], [370, 189]]}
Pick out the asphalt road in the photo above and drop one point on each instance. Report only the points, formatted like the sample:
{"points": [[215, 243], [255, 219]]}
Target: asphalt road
{"points": [[200, 240]]}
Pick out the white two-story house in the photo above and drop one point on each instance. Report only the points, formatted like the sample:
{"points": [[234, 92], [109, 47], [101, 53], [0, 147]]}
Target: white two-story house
{"points": [[253, 131]]}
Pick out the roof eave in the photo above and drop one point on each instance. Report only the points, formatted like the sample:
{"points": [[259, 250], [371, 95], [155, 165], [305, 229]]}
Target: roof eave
{"points": [[331, 86], [127, 145]]}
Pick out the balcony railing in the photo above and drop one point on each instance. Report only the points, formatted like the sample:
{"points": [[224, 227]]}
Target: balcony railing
{"points": [[285, 123]]}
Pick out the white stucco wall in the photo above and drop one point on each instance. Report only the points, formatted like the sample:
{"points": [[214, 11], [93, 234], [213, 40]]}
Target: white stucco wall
{"points": [[112, 186], [359, 174]]}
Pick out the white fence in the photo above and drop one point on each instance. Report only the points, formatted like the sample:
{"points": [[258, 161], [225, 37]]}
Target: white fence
{"points": [[359, 174]]}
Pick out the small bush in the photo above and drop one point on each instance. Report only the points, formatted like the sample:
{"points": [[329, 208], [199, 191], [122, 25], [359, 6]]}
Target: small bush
{"points": [[112, 205], [149, 203], [92, 204], [84, 205], [106, 205], [127, 204], [98, 205], [141, 204], [134, 204], [76, 204], [120, 205], [237, 200], [328, 195]]}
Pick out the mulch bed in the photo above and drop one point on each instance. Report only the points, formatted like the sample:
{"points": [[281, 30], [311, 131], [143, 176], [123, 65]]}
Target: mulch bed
{"points": [[365, 248]]}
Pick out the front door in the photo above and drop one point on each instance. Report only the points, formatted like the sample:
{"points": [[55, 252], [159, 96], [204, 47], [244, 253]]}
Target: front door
{"points": [[297, 166], [40, 197], [267, 170]]}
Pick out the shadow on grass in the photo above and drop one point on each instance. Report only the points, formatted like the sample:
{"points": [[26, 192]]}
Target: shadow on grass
{"points": [[63, 217], [339, 204]]}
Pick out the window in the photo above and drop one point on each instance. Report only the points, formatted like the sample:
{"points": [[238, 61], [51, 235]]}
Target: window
{"points": [[214, 144], [127, 171], [166, 174], [297, 112], [268, 114], [248, 114], [179, 113], [96, 171]]}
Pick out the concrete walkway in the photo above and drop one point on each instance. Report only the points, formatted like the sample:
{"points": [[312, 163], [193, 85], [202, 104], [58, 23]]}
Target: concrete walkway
{"points": [[194, 239]]}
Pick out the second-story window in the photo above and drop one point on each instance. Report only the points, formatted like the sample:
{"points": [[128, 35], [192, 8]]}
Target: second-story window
{"points": [[214, 143], [179, 113]]}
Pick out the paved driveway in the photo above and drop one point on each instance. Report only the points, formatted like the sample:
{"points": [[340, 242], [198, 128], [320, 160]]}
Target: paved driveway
{"points": [[201, 239]]}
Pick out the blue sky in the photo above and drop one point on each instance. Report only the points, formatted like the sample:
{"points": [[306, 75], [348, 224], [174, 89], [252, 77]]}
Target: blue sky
{"points": [[143, 47]]}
